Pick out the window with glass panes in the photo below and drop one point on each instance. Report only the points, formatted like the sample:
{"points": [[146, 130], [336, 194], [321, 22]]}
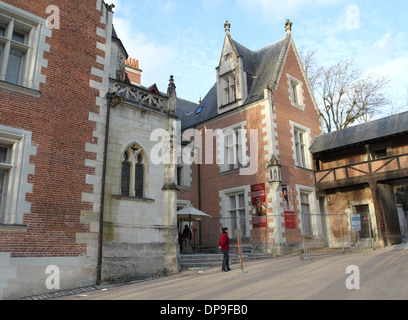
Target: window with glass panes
{"points": [[4, 168], [237, 214], [300, 148], [19, 46], [234, 148], [133, 173], [230, 88]]}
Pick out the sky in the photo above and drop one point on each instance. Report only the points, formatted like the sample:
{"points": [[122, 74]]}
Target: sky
{"points": [[184, 38]]}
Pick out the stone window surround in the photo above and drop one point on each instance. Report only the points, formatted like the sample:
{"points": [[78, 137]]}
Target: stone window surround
{"points": [[224, 205], [36, 44], [14, 203], [293, 82], [240, 146], [307, 142], [133, 151]]}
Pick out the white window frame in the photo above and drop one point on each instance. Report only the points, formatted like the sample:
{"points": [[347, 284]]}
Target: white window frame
{"points": [[300, 147], [226, 221], [185, 175], [301, 153], [232, 143], [34, 28], [17, 168], [316, 228], [229, 82]]}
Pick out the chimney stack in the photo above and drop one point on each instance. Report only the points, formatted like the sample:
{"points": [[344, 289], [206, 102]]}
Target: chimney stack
{"points": [[133, 72]]}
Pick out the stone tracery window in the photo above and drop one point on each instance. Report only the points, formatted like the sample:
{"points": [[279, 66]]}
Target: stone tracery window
{"points": [[133, 172]]}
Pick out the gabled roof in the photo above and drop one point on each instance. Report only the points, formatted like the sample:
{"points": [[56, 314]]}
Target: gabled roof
{"points": [[261, 67], [361, 134]]}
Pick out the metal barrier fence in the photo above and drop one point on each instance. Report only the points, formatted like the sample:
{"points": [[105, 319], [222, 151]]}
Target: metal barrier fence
{"points": [[302, 234]]}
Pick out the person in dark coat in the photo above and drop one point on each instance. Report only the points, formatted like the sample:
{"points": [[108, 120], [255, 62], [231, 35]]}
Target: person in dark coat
{"points": [[223, 245], [186, 237]]}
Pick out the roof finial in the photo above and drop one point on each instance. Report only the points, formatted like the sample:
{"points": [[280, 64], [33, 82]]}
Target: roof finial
{"points": [[288, 26], [172, 87], [227, 26], [110, 7]]}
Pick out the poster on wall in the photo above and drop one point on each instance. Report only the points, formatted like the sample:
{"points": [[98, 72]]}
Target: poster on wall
{"points": [[288, 207], [258, 198], [290, 220], [355, 222], [288, 203]]}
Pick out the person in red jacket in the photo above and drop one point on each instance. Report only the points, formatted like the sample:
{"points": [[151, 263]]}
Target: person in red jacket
{"points": [[223, 245]]}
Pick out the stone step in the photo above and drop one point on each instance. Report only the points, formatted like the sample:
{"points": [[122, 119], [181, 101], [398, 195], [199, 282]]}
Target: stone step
{"points": [[195, 261]]}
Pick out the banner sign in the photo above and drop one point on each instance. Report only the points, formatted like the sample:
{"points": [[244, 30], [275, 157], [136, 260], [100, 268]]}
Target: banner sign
{"points": [[258, 198], [258, 193], [290, 220]]}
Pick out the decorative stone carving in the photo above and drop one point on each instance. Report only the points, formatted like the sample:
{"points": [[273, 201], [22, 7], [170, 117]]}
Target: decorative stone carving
{"points": [[227, 26], [288, 26]]}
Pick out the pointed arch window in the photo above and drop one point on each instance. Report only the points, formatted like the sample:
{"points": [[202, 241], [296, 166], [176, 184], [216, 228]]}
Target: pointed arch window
{"points": [[125, 183], [133, 172], [139, 177]]}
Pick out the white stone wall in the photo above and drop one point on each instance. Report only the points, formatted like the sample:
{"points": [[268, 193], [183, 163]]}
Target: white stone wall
{"points": [[139, 239]]}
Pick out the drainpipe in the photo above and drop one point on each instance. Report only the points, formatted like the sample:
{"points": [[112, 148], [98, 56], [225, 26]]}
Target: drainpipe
{"points": [[112, 101], [200, 240]]}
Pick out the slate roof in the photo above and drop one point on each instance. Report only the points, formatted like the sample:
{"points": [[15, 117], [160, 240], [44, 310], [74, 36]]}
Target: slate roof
{"points": [[361, 134], [185, 108], [260, 67], [115, 37]]}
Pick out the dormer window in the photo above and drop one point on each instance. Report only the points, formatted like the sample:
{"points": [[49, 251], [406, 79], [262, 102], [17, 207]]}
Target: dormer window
{"points": [[232, 86]]}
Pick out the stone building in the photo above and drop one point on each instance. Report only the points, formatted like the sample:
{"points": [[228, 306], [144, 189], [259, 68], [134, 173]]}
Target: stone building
{"points": [[80, 200]]}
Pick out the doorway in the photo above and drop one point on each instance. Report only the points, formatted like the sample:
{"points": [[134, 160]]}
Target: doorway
{"points": [[366, 231]]}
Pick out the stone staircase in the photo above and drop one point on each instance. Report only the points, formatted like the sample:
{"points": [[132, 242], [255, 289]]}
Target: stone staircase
{"points": [[209, 261]]}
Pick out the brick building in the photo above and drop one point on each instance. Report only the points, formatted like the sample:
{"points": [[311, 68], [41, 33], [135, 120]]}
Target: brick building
{"points": [[362, 171], [249, 138], [76, 181]]}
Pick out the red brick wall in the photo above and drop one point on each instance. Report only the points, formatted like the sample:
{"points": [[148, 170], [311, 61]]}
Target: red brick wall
{"points": [[212, 182], [286, 112], [60, 127]]}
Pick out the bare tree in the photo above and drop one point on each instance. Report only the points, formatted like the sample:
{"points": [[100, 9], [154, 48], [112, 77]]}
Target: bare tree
{"points": [[312, 69], [344, 95]]}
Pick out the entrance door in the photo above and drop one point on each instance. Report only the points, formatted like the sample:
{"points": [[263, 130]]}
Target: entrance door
{"points": [[364, 213], [306, 218]]}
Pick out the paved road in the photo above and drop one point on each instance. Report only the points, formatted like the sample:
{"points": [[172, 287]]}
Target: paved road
{"points": [[383, 275]]}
